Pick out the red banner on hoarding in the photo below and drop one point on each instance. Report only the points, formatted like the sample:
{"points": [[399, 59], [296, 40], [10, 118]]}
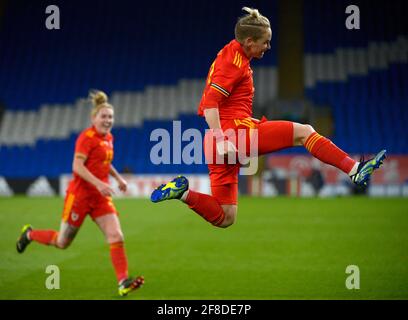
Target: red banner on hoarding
{"points": [[393, 171]]}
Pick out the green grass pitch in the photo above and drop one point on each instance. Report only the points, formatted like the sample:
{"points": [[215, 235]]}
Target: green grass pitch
{"points": [[279, 248]]}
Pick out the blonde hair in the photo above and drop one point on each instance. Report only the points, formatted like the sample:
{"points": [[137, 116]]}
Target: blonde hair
{"points": [[251, 25], [99, 100]]}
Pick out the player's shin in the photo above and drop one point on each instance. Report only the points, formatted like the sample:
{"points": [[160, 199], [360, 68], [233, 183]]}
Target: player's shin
{"points": [[206, 206], [327, 152], [47, 237], [119, 260]]}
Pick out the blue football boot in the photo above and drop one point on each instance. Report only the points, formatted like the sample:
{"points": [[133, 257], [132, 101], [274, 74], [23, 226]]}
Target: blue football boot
{"points": [[171, 190], [366, 168]]}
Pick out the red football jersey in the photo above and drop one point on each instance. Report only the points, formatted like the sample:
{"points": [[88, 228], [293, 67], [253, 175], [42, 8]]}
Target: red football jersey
{"points": [[99, 152], [229, 85]]}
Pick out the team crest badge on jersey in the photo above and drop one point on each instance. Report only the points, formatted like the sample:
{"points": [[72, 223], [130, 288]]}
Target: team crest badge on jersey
{"points": [[74, 216]]}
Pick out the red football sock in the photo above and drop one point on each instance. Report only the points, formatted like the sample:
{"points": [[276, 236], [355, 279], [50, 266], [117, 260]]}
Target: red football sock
{"points": [[119, 260], [326, 151], [206, 206], [47, 237]]}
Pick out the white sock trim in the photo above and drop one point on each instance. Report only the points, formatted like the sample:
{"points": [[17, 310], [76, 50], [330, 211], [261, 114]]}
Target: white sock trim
{"points": [[353, 170], [184, 196]]}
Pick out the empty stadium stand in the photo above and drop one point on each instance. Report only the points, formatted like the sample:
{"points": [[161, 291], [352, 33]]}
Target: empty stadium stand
{"points": [[152, 61]]}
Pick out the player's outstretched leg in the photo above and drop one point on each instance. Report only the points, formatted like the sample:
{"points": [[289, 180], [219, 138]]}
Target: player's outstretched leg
{"points": [[130, 284], [326, 151], [171, 190], [366, 168], [23, 240]]}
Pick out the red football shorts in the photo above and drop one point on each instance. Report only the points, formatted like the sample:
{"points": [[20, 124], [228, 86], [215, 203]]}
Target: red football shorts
{"points": [[78, 205], [271, 136]]}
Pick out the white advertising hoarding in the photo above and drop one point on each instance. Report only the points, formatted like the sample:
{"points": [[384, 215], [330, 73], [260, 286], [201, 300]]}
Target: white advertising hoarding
{"points": [[142, 185]]}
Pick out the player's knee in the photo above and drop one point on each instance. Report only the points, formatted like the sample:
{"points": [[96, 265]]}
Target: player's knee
{"points": [[65, 236], [306, 131], [62, 244], [114, 236], [230, 215], [227, 222], [302, 132]]}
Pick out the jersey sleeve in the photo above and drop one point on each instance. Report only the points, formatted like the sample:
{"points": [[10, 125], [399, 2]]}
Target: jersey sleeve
{"points": [[83, 144], [223, 77]]}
